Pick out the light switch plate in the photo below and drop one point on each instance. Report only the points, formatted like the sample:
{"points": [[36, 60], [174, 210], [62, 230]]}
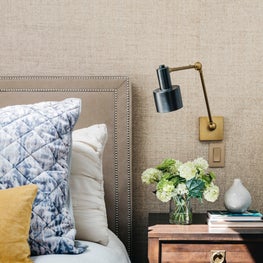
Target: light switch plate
{"points": [[216, 155]]}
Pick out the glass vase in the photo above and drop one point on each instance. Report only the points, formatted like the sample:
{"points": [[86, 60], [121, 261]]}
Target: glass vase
{"points": [[180, 211]]}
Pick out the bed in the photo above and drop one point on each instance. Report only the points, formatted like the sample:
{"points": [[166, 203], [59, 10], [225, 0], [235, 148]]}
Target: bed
{"points": [[104, 113]]}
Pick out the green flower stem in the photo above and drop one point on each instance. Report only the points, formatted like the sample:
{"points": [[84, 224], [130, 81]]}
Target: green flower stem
{"points": [[182, 214]]}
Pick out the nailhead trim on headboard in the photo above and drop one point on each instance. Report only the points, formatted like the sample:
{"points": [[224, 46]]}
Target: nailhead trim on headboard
{"points": [[124, 84]]}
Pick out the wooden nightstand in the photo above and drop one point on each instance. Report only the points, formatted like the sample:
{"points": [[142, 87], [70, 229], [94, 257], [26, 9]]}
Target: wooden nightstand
{"points": [[197, 243]]}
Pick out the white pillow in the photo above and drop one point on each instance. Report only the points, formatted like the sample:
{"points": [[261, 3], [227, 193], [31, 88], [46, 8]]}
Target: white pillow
{"points": [[86, 182]]}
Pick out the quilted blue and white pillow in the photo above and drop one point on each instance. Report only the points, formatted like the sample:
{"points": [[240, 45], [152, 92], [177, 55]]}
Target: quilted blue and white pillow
{"points": [[35, 148]]}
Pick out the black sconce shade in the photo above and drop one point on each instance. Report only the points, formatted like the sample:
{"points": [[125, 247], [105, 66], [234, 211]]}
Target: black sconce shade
{"points": [[168, 97], [168, 100]]}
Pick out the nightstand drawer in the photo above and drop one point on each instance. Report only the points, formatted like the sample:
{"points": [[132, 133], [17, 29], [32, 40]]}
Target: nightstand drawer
{"points": [[172, 252]]}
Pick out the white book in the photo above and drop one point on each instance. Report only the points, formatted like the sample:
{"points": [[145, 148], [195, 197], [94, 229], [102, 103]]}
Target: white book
{"points": [[234, 224]]}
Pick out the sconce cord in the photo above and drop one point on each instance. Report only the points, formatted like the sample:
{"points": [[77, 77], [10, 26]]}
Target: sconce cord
{"points": [[198, 67]]}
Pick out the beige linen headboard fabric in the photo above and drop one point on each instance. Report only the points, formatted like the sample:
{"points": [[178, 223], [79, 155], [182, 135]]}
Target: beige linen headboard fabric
{"points": [[104, 100]]}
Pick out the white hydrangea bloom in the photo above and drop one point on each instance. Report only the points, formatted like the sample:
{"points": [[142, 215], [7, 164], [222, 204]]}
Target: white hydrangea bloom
{"points": [[187, 170], [163, 196], [181, 189], [165, 192], [211, 193], [151, 175], [201, 163]]}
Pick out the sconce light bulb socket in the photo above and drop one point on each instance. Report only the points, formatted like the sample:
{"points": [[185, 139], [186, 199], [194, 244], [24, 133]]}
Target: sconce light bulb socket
{"points": [[164, 78]]}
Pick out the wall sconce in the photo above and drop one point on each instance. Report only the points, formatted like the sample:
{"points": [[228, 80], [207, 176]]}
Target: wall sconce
{"points": [[168, 98]]}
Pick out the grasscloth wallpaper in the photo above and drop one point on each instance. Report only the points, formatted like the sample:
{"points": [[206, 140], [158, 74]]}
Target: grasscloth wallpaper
{"points": [[111, 37]]}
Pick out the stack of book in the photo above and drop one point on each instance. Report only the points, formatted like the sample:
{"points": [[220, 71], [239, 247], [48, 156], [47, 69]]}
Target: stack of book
{"points": [[250, 218]]}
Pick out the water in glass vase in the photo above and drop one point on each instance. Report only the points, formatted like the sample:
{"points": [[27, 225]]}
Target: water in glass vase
{"points": [[180, 211]]}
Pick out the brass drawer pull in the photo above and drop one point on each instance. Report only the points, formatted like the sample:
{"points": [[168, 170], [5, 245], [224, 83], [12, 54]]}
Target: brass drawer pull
{"points": [[217, 256]]}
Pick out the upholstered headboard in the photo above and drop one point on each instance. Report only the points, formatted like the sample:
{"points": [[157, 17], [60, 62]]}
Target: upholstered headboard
{"points": [[104, 100]]}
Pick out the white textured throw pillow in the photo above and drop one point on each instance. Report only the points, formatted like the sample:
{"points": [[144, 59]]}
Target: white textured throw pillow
{"points": [[86, 184]]}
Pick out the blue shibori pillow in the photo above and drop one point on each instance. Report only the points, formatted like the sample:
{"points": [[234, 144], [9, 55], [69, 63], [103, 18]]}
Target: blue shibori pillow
{"points": [[35, 148]]}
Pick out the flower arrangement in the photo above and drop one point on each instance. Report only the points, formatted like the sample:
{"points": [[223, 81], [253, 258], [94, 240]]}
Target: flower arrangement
{"points": [[181, 182]]}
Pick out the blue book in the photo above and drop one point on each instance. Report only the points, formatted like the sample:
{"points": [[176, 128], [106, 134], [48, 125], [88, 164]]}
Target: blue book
{"points": [[250, 215]]}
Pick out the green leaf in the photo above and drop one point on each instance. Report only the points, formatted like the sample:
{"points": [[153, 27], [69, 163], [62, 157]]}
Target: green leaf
{"points": [[208, 178], [196, 188], [164, 166]]}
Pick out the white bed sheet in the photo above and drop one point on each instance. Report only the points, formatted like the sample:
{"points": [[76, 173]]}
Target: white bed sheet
{"points": [[112, 253]]}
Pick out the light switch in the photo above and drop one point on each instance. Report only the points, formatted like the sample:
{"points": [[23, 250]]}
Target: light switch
{"points": [[216, 154]]}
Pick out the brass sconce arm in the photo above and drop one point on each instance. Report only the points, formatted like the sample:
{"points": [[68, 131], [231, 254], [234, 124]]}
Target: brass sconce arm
{"points": [[198, 67]]}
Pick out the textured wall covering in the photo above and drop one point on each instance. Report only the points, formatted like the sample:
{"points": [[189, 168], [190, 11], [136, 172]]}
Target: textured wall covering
{"points": [[111, 37]]}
